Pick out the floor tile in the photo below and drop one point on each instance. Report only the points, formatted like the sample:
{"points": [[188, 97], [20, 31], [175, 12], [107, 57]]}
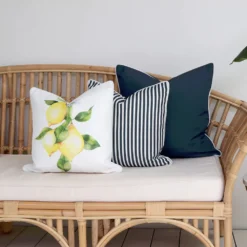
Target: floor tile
{"points": [[166, 237], [240, 238], [189, 240], [6, 239], [118, 240], [138, 238], [28, 238]]}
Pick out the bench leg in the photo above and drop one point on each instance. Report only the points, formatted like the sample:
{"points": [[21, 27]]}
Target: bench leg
{"points": [[82, 231], [6, 227], [228, 232], [221, 228]]}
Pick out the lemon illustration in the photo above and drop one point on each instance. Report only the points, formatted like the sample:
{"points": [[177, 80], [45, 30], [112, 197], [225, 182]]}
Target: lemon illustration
{"points": [[49, 142], [73, 144], [56, 113]]}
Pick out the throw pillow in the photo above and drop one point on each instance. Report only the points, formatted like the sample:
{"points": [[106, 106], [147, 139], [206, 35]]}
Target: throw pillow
{"points": [[139, 126], [75, 136], [187, 112]]}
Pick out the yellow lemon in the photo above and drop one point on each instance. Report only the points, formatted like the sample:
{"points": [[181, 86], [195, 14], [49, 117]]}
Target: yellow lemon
{"points": [[56, 113], [73, 144], [49, 142]]}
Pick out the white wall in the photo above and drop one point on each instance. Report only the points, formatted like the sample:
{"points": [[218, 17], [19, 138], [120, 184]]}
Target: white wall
{"points": [[160, 36]]}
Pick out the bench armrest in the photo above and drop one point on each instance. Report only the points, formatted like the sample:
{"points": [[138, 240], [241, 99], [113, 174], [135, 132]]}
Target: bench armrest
{"points": [[234, 150]]}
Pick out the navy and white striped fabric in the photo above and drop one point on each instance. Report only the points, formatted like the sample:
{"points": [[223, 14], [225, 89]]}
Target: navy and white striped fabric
{"points": [[139, 126]]}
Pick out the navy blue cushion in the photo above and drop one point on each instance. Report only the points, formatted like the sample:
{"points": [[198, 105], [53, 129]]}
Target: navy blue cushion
{"points": [[187, 113]]}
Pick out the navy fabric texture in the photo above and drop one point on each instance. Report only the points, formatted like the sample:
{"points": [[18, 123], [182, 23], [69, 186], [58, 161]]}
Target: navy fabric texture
{"points": [[187, 112], [131, 80]]}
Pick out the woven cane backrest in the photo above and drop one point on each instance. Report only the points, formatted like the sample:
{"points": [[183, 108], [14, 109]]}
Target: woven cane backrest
{"points": [[69, 81]]}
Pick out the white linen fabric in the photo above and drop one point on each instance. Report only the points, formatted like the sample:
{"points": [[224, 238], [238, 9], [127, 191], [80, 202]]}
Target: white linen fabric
{"points": [[191, 179], [75, 136]]}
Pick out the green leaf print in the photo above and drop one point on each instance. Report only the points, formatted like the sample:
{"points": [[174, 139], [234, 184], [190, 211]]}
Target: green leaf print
{"points": [[63, 163], [50, 102], [90, 143], [84, 116], [42, 133], [61, 133], [68, 116]]}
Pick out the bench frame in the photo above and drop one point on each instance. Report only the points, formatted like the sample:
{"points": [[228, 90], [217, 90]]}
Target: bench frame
{"points": [[110, 218]]}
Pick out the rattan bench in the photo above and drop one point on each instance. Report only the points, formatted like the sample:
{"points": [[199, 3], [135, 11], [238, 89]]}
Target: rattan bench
{"points": [[228, 128]]}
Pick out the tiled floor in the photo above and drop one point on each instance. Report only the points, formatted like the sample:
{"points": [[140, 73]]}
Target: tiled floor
{"points": [[137, 237]]}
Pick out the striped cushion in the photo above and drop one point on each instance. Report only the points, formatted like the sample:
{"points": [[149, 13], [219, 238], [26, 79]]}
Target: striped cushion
{"points": [[139, 126]]}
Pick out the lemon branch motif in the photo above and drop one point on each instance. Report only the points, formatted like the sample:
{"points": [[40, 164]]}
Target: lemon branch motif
{"points": [[84, 116], [65, 138]]}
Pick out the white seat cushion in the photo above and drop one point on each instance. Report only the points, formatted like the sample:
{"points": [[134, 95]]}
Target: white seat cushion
{"points": [[197, 179]]}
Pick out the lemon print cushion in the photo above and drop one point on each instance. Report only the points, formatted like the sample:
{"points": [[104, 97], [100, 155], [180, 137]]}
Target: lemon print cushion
{"points": [[72, 136]]}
